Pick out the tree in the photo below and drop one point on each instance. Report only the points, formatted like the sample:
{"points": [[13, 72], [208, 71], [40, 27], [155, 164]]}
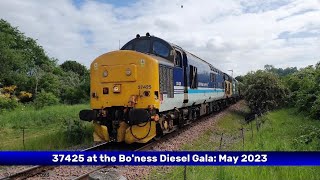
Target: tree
{"points": [[74, 88], [264, 91], [279, 71], [269, 68], [75, 67], [305, 90], [239, 78], [19, 56], [25, 64]]}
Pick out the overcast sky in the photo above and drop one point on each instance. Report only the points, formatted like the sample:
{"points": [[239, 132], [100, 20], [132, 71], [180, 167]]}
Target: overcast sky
{"points": [[241, 35]]}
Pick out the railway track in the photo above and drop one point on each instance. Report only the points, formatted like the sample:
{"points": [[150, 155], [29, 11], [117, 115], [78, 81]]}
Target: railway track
{"points": [[145, 147], [42, 171], [34, 170]]}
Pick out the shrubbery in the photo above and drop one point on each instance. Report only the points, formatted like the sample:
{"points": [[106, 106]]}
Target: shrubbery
{"points": [[264, 91], [270, 88], [25, 96], [305, 90], [8, 103], [7, 98], [74, 131], [45, 99]]}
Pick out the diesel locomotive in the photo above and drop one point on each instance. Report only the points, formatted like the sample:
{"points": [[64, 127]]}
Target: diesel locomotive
{"points": [[151, 87]]}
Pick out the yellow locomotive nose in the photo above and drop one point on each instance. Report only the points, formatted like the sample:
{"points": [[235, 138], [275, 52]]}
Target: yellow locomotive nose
{"points": [[118, 76], [123, 82], [118, 73]]}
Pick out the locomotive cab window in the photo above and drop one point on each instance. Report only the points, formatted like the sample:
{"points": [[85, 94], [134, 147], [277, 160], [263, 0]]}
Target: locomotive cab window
{"points": [[160, 49], [142, 45], [128, 47], [193, 77], [178, 59]]}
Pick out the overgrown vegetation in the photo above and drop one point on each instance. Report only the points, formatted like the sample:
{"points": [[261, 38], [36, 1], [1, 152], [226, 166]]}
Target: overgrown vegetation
{"points": [[53, 127], [264, 91], [27, 74], [37, 96], [271, 88]]}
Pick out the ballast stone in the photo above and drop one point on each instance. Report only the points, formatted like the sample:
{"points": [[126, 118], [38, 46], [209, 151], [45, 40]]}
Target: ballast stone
{"points": [[107, 174]]}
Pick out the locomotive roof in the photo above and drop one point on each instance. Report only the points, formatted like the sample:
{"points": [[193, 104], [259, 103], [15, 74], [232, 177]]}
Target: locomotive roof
{"points": [[131, 45]]}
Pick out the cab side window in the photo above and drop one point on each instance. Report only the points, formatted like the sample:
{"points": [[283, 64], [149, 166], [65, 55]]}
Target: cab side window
{"points": [[178, 59], [193, 77]]}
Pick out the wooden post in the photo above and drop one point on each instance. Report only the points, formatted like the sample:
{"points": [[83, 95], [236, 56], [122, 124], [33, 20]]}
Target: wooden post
{"points": [[242, 133], [69, 130], [24, 147], [220, 146], [185, 173], [251, 131]]}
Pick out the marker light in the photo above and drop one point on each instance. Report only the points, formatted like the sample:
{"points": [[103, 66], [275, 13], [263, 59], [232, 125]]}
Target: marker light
{"points": [[128, 71], [105, 73]]}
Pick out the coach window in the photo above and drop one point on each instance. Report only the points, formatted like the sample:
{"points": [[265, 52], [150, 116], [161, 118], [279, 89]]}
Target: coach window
{"points": [[160, 49], [212, 77], [142, 45], [193, 77], [178, 59]]}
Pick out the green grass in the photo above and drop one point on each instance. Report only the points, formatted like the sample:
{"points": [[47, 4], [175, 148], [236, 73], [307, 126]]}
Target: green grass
{"points": [[281, 130], [53, 127], [29, 117]]}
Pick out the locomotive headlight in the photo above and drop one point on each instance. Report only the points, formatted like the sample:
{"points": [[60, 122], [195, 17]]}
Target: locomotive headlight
{"points": [[105, 73], [116, 88], [128, 71]]}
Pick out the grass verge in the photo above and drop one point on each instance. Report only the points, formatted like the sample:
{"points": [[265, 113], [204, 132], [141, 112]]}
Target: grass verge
{"points": [[53, 127], [281, 130]]}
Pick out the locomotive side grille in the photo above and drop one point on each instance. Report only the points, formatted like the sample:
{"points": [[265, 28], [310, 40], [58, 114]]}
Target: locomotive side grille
{"points": [[170, 79], [166, 81]]}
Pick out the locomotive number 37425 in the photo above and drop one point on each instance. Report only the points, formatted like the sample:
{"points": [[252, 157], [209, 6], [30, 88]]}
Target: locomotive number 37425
{"points": [[144, 86]]}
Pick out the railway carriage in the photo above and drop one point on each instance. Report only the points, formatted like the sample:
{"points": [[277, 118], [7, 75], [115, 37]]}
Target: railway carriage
{"points": [[152, 87]]}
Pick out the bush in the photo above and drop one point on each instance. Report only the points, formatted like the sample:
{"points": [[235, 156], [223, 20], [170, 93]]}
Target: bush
{"points": [[315, 109], [74, 95], [25, 96], [74, 131], [45, 99], [9, 89], [305, 100], [7, 98], [305, 90], [264, 91], [8, 103]]}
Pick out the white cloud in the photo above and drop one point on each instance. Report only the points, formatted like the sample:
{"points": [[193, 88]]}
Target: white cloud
{"points": [[239, 35]]}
